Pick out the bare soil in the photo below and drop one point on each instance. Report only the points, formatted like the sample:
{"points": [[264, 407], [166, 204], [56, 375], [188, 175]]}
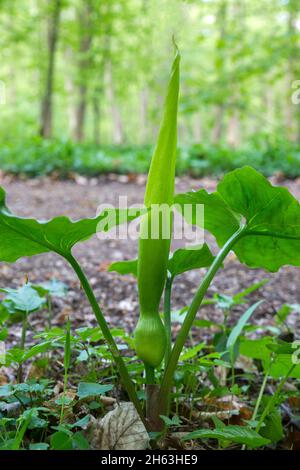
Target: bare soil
{"points": [[46, 197]]}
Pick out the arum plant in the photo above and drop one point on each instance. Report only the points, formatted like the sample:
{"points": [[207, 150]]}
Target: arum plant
{"points": [[154, 244], [246, 214]]}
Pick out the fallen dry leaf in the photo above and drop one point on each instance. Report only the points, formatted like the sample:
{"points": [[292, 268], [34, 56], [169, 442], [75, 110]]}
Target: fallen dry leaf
{"points": [[292, 441], [120, 429], [3, 379]]}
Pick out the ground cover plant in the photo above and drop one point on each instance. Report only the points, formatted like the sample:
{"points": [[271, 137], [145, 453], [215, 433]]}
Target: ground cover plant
{"points": [[159, 385], [62, 158]]}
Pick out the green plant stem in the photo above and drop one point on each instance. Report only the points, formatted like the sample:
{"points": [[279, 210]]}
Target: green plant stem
{"points": [[167, 317], [107, 335], [192, 311], [259, 398], [260, 395], [22, 344], [63, 397], [24, 330], [20, 434], [49, 307], [232, 375], [272, 401]]}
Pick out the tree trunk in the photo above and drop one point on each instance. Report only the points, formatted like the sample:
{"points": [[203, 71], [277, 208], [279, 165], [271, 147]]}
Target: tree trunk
{"points": [[234, 123], [233, 131], [70, 89], [197, 134], [118, 134], [80, 114], [46, 109], [291, 114], [83, 67], [217, 132], [96, 115], [289, 106]]}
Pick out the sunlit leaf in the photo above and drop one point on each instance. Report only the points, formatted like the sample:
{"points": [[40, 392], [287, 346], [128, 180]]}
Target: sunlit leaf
{"points": [[271, 215], [27, 237]]}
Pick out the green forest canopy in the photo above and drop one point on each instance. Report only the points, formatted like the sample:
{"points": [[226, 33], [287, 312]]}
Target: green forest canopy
{"points": [[95, 70]]}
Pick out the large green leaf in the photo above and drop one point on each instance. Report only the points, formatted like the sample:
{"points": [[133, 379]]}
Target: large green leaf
{"points": [[271, 215], [27, 237], [218, 218]]}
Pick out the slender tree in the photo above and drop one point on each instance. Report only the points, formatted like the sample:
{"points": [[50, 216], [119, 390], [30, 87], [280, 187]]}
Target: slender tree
{"points": [[84, 63], [53, 32]]}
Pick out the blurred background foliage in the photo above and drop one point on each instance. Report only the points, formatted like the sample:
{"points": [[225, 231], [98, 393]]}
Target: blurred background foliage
{"points": [[82, 84]]}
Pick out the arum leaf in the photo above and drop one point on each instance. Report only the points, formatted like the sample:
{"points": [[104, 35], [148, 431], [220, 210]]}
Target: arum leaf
{"points": [[27, 237], [124, 267], [271, 215], [239, 434], [184, 260], [218, 218]]}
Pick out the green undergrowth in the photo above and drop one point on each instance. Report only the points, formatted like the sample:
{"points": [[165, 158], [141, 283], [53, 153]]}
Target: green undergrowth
{"points": [[36, 157]]}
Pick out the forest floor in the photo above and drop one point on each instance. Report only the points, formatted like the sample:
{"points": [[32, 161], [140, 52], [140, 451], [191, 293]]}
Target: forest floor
{"points": [[45, 198]]}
